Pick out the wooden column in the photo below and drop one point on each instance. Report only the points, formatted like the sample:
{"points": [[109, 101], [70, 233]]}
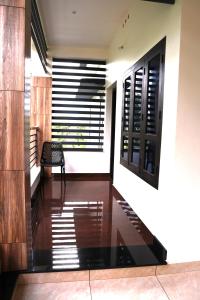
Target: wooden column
{"points": [[41, 97], [14, 133]]}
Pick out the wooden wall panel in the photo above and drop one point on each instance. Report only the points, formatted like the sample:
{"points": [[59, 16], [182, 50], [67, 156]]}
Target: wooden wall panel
{"points": [[34, 119], [45, 82], [45, 130], [41, 104], [15, 3], [45, 125], [13, 256], [14, 132], [41, 98], [34, 108], [45, 105], [12, 36], [11, 130], [12, 207]]}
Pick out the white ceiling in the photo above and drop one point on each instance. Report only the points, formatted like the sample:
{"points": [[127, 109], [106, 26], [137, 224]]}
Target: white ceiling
{"points": [[85, 23]]}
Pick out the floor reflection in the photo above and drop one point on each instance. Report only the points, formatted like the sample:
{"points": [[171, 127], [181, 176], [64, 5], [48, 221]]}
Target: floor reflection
{"points": [[66, 237], [88, 225]]}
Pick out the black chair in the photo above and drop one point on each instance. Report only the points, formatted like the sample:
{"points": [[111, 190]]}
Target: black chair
{"points": [[52, 156]]}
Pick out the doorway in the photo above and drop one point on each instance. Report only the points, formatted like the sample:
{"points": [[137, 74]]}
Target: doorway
{"points": [[113, 118]]}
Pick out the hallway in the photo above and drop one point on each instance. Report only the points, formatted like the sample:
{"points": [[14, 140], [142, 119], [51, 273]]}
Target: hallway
{"points": [[88, 225]]}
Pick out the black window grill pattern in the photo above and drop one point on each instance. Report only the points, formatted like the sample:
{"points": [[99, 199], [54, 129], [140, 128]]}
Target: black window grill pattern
{"points": [[142, 117], [137, 105], [38, 35], [78, 104]]}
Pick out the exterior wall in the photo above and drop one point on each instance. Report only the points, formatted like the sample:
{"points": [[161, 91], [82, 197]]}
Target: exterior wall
{"points": [[148, 23]]}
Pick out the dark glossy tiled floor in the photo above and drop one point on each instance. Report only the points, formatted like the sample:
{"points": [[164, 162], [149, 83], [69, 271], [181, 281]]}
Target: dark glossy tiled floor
{"points": [[88, 225]]}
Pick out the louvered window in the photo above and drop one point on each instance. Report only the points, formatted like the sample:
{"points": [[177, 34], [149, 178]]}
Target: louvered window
{"points": [[78, 104], [125, 117], [140, 143]]}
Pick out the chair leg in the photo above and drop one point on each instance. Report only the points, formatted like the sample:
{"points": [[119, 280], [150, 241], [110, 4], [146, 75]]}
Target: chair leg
{"points": [[42, 183], [42, 172], [63, 188]]}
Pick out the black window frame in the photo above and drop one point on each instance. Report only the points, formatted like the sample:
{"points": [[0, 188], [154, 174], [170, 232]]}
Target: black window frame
{"points": [[144, 142]]}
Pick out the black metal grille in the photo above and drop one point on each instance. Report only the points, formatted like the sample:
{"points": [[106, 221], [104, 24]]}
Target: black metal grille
{"points": [[34, 131], [38, 34], [78, 104]]}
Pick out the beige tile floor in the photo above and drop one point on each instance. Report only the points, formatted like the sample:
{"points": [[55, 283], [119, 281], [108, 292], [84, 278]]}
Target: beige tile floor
{"points": [[127, 284]]}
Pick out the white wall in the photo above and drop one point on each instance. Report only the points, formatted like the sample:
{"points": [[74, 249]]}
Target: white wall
{"points": [[34, 174], [187, 164], [147, 25], [188, 120], [36, 66]]}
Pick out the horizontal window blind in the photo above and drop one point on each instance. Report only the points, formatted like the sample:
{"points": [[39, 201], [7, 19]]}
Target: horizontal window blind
{"points": [[78, 103]]}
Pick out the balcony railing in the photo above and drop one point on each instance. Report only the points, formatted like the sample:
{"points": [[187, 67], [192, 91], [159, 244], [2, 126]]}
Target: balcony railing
{"points": [[34, 145]]}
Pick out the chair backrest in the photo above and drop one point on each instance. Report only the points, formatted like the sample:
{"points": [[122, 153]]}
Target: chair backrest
{"points": [[52, 154]]}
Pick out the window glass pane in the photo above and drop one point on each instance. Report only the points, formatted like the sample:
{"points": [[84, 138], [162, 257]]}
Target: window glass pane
{"points": [[127, 92], [152, 94], [137, 103], [135, 157], [125, 148], [150, 154]]}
